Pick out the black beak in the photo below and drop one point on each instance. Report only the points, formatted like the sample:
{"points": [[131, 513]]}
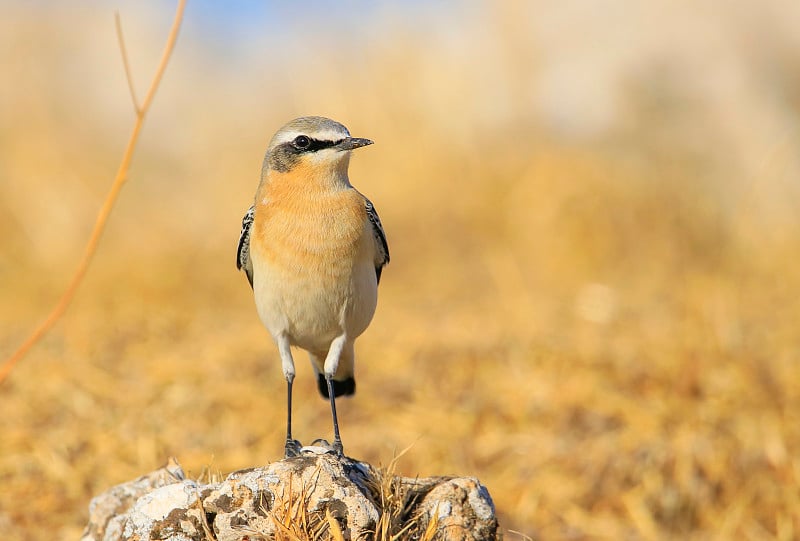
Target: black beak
{"points": [[353, 142]]}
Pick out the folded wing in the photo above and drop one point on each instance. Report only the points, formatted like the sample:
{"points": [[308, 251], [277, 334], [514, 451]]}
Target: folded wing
{"points": [[243, 251]]}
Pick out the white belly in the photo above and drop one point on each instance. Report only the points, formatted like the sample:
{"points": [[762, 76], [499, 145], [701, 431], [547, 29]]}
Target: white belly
{"points": [[312, 309]]}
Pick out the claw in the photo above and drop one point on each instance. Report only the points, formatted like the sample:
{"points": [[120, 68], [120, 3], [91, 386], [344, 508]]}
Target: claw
{"points": [[335, 448], [293, 448]]}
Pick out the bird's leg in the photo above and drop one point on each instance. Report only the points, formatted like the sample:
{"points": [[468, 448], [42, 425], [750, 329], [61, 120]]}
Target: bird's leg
{"points": [[337, 439], [331, 365], [293, 446]]}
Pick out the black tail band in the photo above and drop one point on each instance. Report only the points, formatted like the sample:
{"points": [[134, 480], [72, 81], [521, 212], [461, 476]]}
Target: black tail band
{"points": [[340, 388]]}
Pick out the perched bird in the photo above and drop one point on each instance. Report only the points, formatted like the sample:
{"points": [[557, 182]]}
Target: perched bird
{"points": [[313, 248]]}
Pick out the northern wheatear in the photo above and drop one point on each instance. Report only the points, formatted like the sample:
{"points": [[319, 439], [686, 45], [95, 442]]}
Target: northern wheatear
{"points": [[313, 249]]}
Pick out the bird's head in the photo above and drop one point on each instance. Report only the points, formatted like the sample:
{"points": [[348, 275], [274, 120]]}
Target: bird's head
{"points": [[313, 145]]}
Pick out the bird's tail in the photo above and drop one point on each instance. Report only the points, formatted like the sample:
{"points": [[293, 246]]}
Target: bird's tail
{"points": [[343, 383], [340, 388]]}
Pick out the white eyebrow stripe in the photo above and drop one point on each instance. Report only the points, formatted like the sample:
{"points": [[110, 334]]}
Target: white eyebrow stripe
{"points": [[327, 135]]}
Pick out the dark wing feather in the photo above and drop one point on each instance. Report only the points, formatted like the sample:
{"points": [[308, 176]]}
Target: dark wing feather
{"points": [[382, 254], [243, 251]]}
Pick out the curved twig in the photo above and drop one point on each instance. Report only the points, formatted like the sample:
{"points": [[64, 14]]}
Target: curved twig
{"points": [[108, 204]]}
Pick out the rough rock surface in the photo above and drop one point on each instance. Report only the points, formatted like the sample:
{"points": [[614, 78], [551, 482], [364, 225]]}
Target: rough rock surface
{"points": [[317, 494]]}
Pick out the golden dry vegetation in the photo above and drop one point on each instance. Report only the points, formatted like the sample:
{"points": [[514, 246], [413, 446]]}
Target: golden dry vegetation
{"points": [[594, 292]]}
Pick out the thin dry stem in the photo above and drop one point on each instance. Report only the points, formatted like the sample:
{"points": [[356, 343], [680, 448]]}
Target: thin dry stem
{"points": [[102, 217], [333, 524], [126, 63], [430, 531]]}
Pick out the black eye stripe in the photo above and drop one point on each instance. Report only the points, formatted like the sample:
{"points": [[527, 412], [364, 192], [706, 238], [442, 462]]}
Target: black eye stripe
{"points": [[316, 144]]}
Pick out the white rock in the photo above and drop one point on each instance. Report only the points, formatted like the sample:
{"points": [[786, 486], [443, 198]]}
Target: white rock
{"points": [[164, 505]]}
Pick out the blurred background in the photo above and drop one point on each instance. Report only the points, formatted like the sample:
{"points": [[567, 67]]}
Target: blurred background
{"points": [[594, 292]]}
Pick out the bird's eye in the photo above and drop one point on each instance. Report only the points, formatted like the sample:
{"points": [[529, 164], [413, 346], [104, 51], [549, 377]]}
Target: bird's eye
{"points": [[302, 142]]}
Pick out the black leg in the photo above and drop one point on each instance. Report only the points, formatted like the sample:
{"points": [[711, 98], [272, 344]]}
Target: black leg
{"points": [[337, 440], [292, 446]]}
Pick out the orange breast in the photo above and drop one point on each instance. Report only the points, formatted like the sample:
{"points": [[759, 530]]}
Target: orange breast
{"points": [[307, 231]]}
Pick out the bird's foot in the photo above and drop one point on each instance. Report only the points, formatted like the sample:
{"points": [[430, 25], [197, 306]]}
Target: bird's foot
{"points": [[293, 448], [335, 448]]}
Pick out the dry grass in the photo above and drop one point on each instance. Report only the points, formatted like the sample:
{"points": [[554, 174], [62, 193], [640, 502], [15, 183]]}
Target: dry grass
{"points": [[293, 521], [602, 326]]}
